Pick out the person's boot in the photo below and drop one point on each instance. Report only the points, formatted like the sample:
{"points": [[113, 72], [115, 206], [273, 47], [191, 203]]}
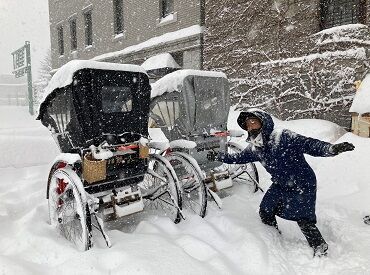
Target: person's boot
{"points": [[321, 250]]}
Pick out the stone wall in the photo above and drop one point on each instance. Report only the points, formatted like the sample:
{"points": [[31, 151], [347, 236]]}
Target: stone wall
{"points": [[277, 58]]}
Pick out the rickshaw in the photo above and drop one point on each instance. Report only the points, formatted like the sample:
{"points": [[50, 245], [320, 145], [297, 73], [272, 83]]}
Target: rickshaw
{"points": [[191, 108], [98, 115]]}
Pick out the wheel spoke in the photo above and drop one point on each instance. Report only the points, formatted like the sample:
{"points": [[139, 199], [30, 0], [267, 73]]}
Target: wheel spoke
{"points": [[158, 187], [65, 204]]}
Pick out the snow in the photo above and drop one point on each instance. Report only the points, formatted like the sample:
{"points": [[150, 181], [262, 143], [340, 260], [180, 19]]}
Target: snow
{"points": [[64, 74], [351, 33], [163, 60], [168, 18], [227, 241], [155, 41], [183, 143], [361, 102], [342, 29], [173, 81], [358, 53], [315, 128]]}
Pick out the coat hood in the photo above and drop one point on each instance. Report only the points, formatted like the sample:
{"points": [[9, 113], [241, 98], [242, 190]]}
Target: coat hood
{"points": [[266, 119]]}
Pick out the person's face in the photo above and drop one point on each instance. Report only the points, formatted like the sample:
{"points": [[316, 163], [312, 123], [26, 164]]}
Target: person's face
{"points": [[253, 124]]}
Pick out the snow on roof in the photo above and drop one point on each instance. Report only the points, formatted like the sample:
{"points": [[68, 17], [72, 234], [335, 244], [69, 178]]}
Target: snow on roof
{"points": [[163, 60], [172, 81], [155, 41], [361, 101]]}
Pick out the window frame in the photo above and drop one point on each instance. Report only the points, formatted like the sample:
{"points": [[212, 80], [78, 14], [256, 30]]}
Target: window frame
{"points": [[118, 19], [334, 14], [73, 33], [166, 7], [88, 27], [60, 39]]}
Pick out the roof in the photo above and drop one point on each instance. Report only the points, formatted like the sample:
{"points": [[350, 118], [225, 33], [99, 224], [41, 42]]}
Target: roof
{"points": [[361, 101], [163, 60], [173, 81]]}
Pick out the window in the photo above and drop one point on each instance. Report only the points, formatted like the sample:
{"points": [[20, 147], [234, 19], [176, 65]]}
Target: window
{"points": [[166, 7], [73, 30], [88, 28], [118, 16], [341, 12], [60, 40], [116, 99]]}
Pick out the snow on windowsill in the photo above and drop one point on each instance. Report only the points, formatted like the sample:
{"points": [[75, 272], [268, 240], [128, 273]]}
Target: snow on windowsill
{"points": [[171, 18], [119, 37], [89, 47]]}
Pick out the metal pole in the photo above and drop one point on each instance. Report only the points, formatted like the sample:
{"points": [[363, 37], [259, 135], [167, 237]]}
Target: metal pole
{"points": [[29, 77]]}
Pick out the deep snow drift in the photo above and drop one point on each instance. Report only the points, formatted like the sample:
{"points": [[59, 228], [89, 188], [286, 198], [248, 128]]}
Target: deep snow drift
{"points": [[230, 241]]}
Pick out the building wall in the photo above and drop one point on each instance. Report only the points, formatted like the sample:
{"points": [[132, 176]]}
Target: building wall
{"points": [[277, 59], [140, 24], [246, 31]]}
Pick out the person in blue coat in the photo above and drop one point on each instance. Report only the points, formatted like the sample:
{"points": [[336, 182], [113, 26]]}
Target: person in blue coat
{"points": [[292, 194]]}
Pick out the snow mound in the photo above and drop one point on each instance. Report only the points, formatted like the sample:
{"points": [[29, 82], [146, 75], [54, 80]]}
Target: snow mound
{"points": [[163, 60], [228, 241], [315, 128]]}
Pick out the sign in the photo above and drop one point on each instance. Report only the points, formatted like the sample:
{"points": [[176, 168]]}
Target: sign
{"points": [[22, 66], [19, 62]]}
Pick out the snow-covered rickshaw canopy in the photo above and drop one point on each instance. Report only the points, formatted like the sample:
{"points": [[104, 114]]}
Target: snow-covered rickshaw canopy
{"points": [[174, 81], [64, 75]]}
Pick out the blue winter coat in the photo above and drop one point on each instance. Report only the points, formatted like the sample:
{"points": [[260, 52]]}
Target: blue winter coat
{"points": [[292, 194]]}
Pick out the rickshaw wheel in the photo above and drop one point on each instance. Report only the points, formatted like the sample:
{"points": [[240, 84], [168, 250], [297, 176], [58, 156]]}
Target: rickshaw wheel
{"points": [[163, 188], [242, 173], [67, 208], [193, 189]]}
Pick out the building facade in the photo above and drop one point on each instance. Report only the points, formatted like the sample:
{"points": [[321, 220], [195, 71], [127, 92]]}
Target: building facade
{"points": [[126, 31], [293, 58]]}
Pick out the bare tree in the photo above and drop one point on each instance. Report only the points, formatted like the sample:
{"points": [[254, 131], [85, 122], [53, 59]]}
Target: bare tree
{"points": [[43, 79]]}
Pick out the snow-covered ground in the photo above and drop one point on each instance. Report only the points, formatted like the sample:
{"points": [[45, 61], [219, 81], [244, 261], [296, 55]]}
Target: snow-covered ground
{"points": [[230, 241]]}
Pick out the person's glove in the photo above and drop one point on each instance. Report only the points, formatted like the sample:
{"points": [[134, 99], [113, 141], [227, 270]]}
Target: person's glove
{"points": [[212, 155], [341, 147]]}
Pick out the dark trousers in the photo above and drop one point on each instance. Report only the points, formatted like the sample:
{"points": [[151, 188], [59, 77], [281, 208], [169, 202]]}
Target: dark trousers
{"points": [[308, 228]]}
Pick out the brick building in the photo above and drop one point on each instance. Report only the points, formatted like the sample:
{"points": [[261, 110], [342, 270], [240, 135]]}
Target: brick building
{"points": [[294, 58]]}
